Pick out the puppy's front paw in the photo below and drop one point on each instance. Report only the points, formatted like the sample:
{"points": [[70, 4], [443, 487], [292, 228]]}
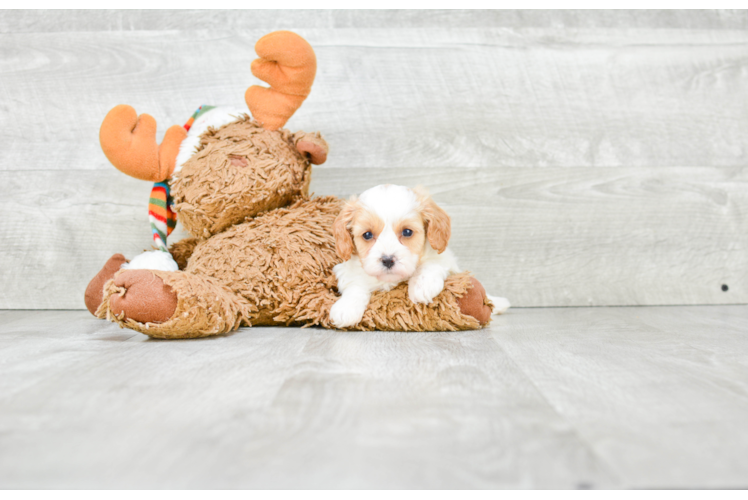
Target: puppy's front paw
{"points": [[422, 289], [344, 313]]}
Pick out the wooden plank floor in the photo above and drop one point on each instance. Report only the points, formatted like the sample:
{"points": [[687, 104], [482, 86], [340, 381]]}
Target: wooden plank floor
{"points": [[564, 397]]}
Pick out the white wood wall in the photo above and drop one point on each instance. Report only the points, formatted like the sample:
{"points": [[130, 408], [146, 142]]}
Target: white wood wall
{"points": [[586, 157]]}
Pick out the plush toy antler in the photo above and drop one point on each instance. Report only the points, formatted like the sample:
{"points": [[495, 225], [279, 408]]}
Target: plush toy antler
{"points": [[288, 64], [129, 142]]}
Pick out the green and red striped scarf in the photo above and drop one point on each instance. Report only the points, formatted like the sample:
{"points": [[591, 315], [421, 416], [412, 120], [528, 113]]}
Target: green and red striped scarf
{"points": [[160, 208]]}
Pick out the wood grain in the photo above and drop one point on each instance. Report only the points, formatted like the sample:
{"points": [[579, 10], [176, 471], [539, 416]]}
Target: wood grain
{"points": [[402, 97], [545, 398], [268, 408], [28, 21], [541, 237], [587, 158], [61, 226], [660, 394]]}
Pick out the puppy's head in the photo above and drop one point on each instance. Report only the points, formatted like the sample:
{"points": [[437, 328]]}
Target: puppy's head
{"points": [[388, 227]]}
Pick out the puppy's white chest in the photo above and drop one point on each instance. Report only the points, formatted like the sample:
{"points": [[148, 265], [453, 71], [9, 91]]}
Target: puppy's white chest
{"points": [[386, 287]]}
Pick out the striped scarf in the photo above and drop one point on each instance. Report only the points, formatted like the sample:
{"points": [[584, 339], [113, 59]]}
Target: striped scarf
{"points": [[160, 208]]}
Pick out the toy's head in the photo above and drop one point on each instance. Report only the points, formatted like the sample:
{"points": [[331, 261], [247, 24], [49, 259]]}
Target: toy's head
{"points": [[236, 170]]}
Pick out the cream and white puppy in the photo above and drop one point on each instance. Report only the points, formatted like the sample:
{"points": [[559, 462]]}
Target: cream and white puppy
{"points": [[387, 235]]}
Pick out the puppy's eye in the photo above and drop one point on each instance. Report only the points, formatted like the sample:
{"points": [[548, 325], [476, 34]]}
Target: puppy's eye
{"points": [[407, 233], [367, 235]]}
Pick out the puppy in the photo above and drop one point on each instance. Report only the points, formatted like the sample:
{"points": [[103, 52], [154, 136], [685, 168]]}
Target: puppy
{"points": [[387, 235]]}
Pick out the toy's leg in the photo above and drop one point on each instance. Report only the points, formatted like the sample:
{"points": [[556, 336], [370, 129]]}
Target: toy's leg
{"points": [[180, 251], [462, 305], [172, 304], [95, 289], [474, 303]]}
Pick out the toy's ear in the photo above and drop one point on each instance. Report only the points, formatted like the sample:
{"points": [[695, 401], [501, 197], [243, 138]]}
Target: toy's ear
{"points": [[129, 142], [438, 223], [288, 64], [313, 146], [343, 240]]}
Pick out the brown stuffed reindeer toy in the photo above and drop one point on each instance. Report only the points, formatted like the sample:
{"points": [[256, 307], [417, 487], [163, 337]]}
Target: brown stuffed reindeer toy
{"points": [[262, 250]]}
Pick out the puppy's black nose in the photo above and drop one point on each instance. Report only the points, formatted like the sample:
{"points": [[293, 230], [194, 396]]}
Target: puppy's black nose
{"points": [[388, 261]]}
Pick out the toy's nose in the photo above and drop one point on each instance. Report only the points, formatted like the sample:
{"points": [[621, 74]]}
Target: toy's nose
{"points": [[388, 261]]}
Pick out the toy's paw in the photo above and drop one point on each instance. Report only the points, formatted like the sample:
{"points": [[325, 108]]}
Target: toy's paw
{"points": [[423, 288], [146, 299], [473, 303], [345, 313], [95, 289]]}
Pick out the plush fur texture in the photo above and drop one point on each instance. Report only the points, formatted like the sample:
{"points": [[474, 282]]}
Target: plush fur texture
{"points": [[215, 118], [276, 269], [238, 171], [204, 309], [262, 250], [182, 250]]}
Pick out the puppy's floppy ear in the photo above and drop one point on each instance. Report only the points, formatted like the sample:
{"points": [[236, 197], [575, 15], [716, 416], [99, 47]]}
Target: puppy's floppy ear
{"points": [[438, 223], [343, 239]]}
